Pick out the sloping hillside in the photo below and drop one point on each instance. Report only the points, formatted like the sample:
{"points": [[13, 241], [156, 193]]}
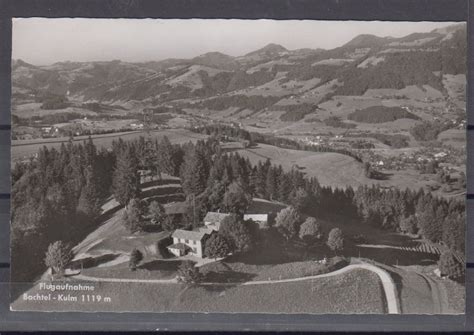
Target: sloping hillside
{"points": [[422, 73]]}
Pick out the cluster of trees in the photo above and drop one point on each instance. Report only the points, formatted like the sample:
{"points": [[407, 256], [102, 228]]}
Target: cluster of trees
{"points": [[289, 224], [234, 236], [436, 219], [380, 114], [231, 81], [272, 140], [428, 131], [222, 131], [362, 144], [56, 197], [450, 266], [395, 140], [252, 102], [61, 117], [430, 167], [58, 257], [230, 182], [336, 122], [295, 113], [53, 101]]}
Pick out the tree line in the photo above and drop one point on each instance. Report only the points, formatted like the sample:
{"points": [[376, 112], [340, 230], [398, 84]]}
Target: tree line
{"points": [[221, 130]]}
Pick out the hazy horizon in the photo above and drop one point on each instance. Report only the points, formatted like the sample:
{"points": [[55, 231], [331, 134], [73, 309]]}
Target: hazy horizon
{"points": [[41, 41]]}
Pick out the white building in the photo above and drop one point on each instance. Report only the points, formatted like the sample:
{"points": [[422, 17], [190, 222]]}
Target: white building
{"points": [[213, 220], [260, 219], [189, 242]]}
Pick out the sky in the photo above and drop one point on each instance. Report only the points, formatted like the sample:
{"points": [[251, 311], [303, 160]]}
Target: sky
{"points": [[43, 41]]}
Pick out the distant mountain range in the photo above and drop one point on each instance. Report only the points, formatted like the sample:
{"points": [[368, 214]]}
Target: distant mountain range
{"points": [[363, 63]]}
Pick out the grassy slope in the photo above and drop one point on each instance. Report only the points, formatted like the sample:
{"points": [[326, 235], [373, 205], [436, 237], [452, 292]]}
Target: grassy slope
{"points": [[456, 294], [330, 168], [358, 291]]}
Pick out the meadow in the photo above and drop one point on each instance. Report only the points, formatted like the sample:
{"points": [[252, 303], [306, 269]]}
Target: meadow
{"points": [[330, 168], [355, 292]]}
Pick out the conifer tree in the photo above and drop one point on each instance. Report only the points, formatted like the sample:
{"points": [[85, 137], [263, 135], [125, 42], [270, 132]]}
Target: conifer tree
{"points": [[165, 156], [133, 216], [194, 174], [300, 199], [126, 181], [284, 188], [157, 212], [271, 184], [236, 200], [89, 203]]}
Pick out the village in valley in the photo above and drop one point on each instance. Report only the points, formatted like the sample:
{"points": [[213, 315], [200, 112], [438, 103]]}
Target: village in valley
{"points": [[280, 181]]}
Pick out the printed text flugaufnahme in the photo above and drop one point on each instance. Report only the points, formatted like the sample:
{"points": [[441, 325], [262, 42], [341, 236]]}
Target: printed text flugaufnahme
{"points": [[65, 287]]}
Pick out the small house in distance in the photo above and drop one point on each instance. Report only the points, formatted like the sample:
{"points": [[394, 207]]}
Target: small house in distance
{"points": [[189, 242], [213, 220], [260, 219]]}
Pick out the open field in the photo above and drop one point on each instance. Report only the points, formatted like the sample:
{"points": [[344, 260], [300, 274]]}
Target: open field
{"points": [[34, 109], [453, 137], [25, 148], [333, 169], [330, 168], [231, 270], [358, 291]]}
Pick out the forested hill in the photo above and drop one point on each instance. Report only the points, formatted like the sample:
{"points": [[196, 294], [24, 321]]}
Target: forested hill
{"points": [[363, 63], [64, 190]]}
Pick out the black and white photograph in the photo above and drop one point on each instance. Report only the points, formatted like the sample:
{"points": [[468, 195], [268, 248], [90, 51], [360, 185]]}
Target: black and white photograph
{"points": [[238, 166]]}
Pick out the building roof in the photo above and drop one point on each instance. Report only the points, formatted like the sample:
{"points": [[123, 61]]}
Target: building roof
{"points": [[213, 226], [189, 234], [256, 217], [215, 217], [180, 246], [206, 230]]}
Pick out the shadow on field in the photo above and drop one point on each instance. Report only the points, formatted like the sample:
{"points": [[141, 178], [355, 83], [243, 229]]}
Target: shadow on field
{"points": [[392, 256], [394, 239], [381, 175], [228, 277], [90, 262], [160, 265]]}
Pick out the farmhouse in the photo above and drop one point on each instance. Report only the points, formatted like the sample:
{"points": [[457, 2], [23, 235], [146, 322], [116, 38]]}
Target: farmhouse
{"points": [[213, 220], [260, 219], [189, 242]]}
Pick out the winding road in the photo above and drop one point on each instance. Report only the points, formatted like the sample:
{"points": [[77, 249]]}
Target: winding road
{"points": [[387, 282]]}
